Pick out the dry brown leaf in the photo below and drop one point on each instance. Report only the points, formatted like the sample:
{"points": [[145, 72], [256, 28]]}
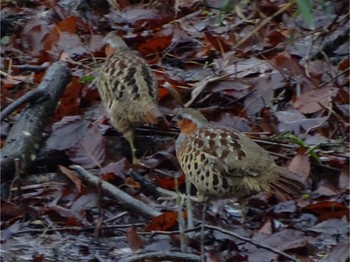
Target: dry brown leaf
{"points": [[312, 101], [72, 176], [135, 242], [300, 165]]}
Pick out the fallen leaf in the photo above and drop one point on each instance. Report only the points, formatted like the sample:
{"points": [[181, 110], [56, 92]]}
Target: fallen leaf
{"points": [[343, 182], [284, 240], [218, 42], [169, 183], [314, 100], [10, 210], [300, 165], [113, 170], [67, 133], [132, 183], [328, 210], [339, 253], [89, 152], [135, 242], [295, 122], [155, 45], [332, 227], [86, 201], [72, 176], [164, 222], [70, 102]]}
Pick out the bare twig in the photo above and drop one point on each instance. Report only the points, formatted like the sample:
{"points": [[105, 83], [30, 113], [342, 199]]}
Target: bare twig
{"points": [[163, 255], [29, 97], [81, 229], [263, 23], [244, 239], [33, 68], [123, 198], [248, 240]]}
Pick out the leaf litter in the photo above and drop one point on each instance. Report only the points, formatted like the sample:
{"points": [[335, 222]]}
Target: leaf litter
{"points": [[263, 85]]}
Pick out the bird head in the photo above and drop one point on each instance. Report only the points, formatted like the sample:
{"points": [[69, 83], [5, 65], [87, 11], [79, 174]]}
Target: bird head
{"points": [[189, 119], [114, 43]]}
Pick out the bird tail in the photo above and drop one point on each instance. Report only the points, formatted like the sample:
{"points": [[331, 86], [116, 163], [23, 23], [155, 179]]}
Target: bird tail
{"points": [[287, 186]]}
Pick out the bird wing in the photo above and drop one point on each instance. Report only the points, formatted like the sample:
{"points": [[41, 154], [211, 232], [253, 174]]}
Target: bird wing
{"points": [[213, 149], [223, 149]]}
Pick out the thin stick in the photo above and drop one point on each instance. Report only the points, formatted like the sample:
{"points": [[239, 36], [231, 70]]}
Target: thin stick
{"points": [[248, 240], [123, 198], [30, 97], [163, 255]]}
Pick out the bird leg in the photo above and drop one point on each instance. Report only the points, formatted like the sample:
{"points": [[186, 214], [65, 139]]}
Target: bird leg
{"points": [[171, 195], [129, 136]]}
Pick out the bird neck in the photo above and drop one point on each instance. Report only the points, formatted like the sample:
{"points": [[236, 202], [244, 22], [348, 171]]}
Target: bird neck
{"points": [[186, 126], [179, 140]]}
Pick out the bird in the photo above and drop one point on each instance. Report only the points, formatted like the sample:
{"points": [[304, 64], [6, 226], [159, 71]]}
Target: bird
{"points": [[222, 162], [128, 88]]}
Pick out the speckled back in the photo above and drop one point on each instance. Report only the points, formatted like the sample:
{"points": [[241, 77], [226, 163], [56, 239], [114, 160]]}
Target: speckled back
{"points": [[129, 90], [217, 163]]}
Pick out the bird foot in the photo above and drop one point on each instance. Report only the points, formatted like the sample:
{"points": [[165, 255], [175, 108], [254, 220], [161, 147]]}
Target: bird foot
{"points": [[170, 195]]}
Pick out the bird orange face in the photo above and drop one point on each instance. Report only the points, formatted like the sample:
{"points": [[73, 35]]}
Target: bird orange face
{"points": [[186, 126], [109, 51]]}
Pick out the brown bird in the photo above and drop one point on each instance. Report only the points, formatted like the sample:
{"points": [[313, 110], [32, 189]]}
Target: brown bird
{"points": [[128, 89], [222, 162]]}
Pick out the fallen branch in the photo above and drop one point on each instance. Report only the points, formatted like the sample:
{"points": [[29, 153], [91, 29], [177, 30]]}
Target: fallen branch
{"points": [[123, 198], [25, 136]]}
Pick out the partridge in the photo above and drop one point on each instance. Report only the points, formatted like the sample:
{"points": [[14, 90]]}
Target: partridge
{"points": [[128, 89], [222, 162]]}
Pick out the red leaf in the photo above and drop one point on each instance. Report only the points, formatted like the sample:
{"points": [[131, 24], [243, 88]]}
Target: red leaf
{"points": [[275, 37], [69, 104], [285, 63], [169, 183], [218, 42], [164, 222], [68, 25], [327, 210], [10, 210], [154, 45]]}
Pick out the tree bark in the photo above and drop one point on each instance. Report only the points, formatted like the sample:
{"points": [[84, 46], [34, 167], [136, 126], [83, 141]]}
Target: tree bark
{"points": [[25, 137]]}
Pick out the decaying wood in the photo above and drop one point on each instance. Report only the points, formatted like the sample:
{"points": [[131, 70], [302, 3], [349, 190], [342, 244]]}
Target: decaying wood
{"points": [[30, 97], [25, 137], [124, 199]]}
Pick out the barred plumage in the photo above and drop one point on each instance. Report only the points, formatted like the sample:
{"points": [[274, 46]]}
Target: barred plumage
{"points": [[221, 161], [129, 90]]}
